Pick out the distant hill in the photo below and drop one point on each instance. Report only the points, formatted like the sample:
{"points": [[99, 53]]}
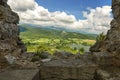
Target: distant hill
{"points": [[27, 31]]}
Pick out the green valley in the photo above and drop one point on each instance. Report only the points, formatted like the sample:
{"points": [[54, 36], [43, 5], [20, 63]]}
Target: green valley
{"points": [[50, 40]]}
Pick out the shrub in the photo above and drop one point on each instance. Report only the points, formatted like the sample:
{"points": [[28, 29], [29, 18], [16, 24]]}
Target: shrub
{"points": [[101, 37], [41, 52], [81, 50], [85, 44], [42, 55]]}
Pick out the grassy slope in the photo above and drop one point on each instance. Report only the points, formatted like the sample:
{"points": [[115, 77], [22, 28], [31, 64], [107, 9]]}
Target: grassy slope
{"points": [[36, 33]]}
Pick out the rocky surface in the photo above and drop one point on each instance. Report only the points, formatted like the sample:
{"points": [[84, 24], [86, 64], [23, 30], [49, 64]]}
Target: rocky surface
{"points": [[111, 45], [62, 55], [72, 69], [94, 66], [112, 42], [10, 43], [20, 75]]}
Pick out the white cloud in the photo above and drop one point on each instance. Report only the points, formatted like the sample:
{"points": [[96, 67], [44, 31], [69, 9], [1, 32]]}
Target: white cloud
{"points": [[19, 5], [97, 20]]}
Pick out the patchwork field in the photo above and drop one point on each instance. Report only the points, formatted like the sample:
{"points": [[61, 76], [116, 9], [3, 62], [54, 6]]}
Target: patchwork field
{"points": [[50, 40]]}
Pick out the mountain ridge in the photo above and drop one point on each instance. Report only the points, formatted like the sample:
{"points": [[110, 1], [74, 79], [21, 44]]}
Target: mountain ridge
{"points": [[26, 30], [59, 28]]}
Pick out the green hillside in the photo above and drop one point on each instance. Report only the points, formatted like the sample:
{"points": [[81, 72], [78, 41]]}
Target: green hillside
{"points": [[36, 33]]}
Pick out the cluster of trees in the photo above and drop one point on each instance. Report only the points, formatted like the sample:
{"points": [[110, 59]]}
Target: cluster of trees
{"points": [[56, 45]]}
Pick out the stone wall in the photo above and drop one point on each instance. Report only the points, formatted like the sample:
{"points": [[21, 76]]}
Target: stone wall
{"points": [[72, 69], [20, 75], [10, 43], [112, 42], [9, 31]]}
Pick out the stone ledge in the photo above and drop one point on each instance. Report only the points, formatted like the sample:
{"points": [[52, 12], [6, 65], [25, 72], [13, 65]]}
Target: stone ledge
{"points": [[20, 75], [68, 70]]}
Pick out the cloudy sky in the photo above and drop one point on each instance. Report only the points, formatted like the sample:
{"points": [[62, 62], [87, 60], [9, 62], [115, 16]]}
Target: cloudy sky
{"points": [[92, 16]]}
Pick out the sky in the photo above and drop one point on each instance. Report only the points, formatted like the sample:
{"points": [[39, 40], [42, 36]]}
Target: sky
{"points": [[92, 16]]}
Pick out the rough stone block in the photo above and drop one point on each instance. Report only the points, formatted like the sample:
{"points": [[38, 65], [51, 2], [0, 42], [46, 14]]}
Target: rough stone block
{"points": [[20, 75], [68, 70]]}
